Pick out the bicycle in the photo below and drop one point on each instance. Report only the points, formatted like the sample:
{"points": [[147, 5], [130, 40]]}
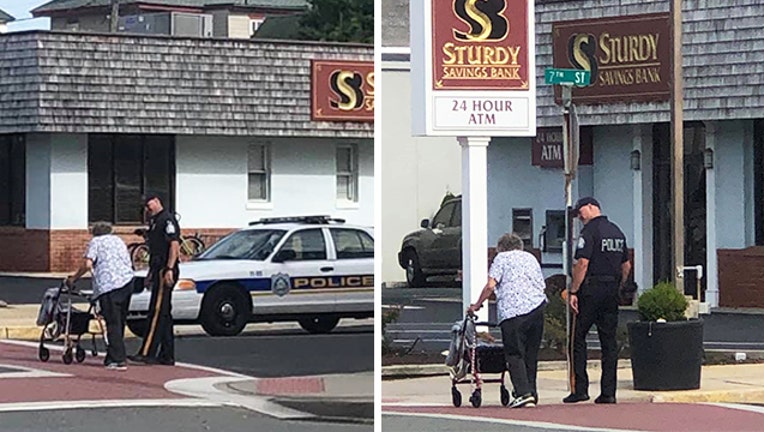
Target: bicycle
{"points": [[190, 247]]}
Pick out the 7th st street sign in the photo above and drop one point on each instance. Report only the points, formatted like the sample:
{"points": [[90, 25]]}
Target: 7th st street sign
{"points": [[578, 77]]}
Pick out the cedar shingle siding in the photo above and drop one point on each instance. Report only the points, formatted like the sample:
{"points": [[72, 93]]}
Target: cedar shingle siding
{"points": [[723, 63], [80, 83]]}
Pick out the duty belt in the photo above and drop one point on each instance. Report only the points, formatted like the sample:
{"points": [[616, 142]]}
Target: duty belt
{"points": [[601, 278]]}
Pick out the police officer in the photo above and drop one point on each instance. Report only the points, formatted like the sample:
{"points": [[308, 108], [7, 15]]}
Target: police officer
{"points": [[164, 246], [602, 267]]}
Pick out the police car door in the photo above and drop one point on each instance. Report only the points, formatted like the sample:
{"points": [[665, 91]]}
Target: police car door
{"points": [[352, 255], [300, 276]]}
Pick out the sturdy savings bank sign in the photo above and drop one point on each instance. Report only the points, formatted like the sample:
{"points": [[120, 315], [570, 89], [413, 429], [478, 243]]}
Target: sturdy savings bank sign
{"points": [[628, 57], [473, 67], [342, 90]]}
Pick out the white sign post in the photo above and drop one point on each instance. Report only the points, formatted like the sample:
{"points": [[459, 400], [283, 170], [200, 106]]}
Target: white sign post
{"points": [[473, 77]]}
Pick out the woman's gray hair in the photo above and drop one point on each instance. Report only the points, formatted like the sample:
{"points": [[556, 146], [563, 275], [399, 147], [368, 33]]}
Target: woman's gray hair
{"points": [[100, 228], [509, 242]]}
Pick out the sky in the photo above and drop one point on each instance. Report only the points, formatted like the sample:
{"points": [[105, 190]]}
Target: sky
{"points": [[20, 10]]}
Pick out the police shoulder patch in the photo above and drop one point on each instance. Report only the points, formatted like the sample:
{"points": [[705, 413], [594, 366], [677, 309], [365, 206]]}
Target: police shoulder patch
{"points": [[280, 284], [581, 243], [169, 228]]}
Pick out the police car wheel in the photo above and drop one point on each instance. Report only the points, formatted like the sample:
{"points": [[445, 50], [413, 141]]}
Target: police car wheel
{"points": [[225, 311], [138, 327], [319, 324]]}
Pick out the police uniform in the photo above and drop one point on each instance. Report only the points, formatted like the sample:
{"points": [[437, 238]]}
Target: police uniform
{"points": [[159, 341], [604, 245]]}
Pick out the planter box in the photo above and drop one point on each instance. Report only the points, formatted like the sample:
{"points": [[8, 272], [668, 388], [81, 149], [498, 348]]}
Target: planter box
{"points": [[666, 356]]}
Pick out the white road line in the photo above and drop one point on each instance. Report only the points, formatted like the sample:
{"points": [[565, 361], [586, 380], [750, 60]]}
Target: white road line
{"points": [[29, 372], [404, 307], [115, 403], [543, 425], [742, 407]]}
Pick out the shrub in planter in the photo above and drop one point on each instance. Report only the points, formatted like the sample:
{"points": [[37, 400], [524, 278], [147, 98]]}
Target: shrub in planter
{"points": [[666, 348]]}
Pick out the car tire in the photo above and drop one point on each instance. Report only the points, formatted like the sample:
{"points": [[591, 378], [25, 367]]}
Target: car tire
{"points": [[226, 309], [319, 324], [414, 276], [138, 327]]}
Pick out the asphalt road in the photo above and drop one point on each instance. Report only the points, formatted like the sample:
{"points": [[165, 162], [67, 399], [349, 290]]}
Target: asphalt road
{"points": [[222, 419], [25, 290], [396, 423], [429, 313]]}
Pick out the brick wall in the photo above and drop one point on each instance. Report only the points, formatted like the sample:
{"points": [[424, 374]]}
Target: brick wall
{"points": [[26, 250], [741, 277]]}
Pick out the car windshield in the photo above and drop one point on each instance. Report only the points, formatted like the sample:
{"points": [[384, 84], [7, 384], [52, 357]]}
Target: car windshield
{"points": [[247, 244]]}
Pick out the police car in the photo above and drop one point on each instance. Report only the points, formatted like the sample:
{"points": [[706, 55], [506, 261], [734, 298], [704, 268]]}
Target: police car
{"points": [[312, 269]]}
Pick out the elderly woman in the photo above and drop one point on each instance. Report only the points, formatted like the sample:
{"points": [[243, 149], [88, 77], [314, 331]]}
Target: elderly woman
{"points": [[109, 262], [515, 277]]}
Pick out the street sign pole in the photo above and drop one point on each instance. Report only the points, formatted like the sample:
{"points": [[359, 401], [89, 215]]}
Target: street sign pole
{"points": [[567, 78]]}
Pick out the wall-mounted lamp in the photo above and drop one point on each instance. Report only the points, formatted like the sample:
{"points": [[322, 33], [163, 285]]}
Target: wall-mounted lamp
{"points": [[708, 158], [636, 160]]}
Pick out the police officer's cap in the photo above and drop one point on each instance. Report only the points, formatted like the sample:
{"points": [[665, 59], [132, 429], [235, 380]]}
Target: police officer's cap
{"points": [[585, 201]]}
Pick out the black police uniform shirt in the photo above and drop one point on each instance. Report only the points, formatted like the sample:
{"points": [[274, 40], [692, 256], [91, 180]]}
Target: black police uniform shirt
{"points": [[604, 245], [163, 230]]}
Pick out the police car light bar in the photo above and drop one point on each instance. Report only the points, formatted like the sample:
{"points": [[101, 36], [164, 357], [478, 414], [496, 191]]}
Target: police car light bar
{"points": [[316, 219]]}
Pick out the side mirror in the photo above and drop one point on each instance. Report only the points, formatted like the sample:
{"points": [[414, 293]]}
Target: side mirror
{"points": [[284, 255], [425, 223]]}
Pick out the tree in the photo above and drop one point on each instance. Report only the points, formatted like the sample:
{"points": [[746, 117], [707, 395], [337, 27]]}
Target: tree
{"points": [[338, 21]]}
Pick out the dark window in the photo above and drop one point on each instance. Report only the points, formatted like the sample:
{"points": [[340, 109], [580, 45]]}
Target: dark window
{"points": [[123, 168], [307, 244], [12, 180], [443, 218], [352, 243]]}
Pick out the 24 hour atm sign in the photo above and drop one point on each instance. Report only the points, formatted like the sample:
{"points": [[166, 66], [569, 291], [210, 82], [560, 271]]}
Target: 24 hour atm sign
{"points": [[476, 70]]}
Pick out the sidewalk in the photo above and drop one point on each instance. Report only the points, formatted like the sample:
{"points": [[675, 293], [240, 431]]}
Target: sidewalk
{"points": [[341, 397], [736, 383]]}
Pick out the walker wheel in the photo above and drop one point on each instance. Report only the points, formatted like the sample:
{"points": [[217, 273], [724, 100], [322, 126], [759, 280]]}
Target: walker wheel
{"points": [[456, 397], [67, 356], [80, 355], [94, 352], [43, 353], [476, 399], [504, 395]]}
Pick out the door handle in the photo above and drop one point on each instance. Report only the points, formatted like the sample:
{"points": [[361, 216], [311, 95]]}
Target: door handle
{"points": [[327, 269]]}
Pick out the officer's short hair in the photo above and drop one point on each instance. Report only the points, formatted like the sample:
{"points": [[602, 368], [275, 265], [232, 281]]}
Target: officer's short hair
{"points": [[509, 242], [100, 228]]}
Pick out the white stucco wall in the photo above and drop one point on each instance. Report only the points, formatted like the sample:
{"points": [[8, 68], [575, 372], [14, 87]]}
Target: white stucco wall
{"points": [[729, 163], [416, 171], [612, 176], [211, 182], [57, 181]]}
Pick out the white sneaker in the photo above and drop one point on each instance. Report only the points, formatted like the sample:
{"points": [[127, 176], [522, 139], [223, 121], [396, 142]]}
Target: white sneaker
{"points": [[523, 401], [116, 366]]}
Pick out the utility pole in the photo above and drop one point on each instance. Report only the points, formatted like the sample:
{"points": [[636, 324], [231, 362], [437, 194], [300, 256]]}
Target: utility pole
{"points": [[677, 142], [114, 16]]}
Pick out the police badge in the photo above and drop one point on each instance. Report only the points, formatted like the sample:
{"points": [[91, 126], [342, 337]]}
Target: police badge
{"points": [[280, 284]]}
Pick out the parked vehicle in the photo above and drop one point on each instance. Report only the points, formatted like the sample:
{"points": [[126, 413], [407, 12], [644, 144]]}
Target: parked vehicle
{"points": [[436, 248], [312, 269]]}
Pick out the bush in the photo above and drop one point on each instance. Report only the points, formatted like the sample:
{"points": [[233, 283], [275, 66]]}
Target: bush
{"points": [[662, 301], [389, 316]]}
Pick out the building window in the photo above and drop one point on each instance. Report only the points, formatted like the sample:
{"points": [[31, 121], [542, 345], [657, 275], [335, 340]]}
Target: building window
{"points": [[347, 173], [122, 169], [259, 173], [12, 180], [554, 231]]}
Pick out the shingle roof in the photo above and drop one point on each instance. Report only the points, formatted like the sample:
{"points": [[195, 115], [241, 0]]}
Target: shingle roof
{"points": [[5, 17], [63, 5]]}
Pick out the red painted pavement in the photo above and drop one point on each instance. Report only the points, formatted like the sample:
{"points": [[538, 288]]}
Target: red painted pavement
{"points": [[658, 417], [290, 386], [89, 380]]}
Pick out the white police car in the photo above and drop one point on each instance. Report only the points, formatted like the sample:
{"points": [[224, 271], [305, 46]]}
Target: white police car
{"points": [[312, 269]]}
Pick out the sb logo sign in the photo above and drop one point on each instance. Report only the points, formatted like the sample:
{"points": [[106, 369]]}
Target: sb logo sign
{"points": [[485, 19], [343, 90], [581, 53]]}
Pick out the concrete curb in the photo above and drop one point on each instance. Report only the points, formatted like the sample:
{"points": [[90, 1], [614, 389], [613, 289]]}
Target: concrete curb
{"points": [[718, 396], [32, 333], [414, 371]]}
